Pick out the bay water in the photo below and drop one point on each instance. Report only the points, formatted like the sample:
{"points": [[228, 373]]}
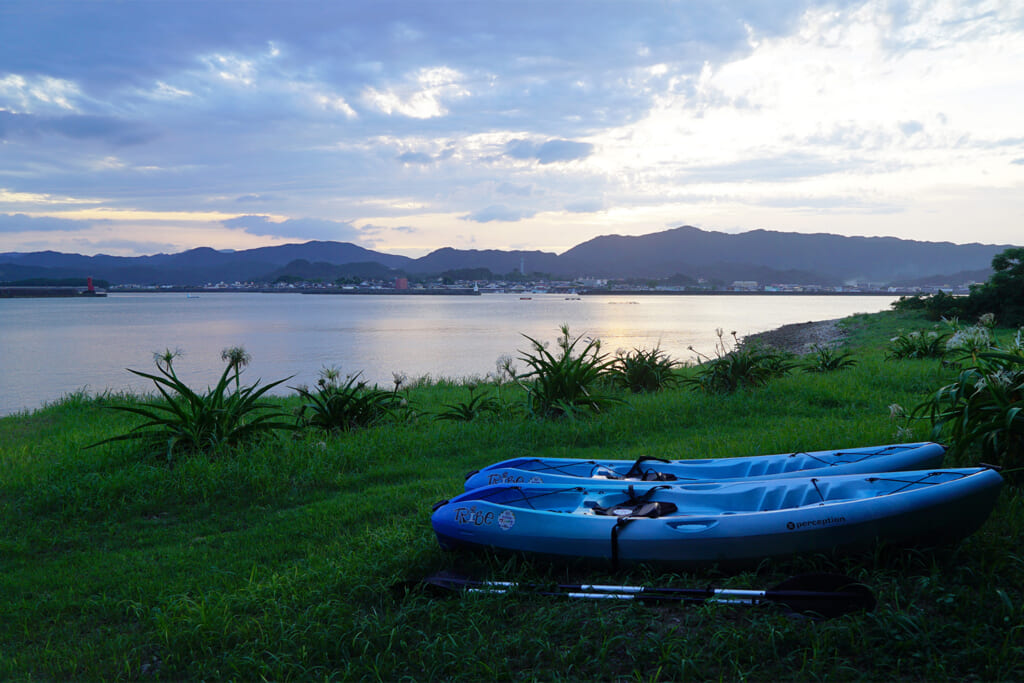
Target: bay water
{"points": [[53, 347]]}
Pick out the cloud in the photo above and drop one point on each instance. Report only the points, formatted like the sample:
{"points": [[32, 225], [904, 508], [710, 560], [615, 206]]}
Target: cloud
{"points": [[169, 92], [585, 206], [514, 189], [80, 127], [372, 232], [421, 95], [40, 199], [19, 222], [550, 152], [419, 157], [296, 228], [349, 109], [35, 94], [129, 246], [498, 212], [256, 197], [231, 68], [780, 168], [415, 158], [335, 103], [911, 127]]}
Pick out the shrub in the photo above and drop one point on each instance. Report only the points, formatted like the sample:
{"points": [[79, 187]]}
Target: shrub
{"points": [[568, 383], [917, 344], [984, 407], [639, 370], [340, 406], [969, 342], [478, 405], [915, 302], [742, 366], [1002, 294], [192, 422], [828, 359]]}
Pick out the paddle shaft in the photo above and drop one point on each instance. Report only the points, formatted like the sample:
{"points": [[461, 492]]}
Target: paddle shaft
{"points": [[722, 596], [808, 600], [626, 592]]}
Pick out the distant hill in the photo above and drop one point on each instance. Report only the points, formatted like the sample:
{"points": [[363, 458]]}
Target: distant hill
{"points": [[761, 255], [496, 261], [192, 267], [827, 257]]}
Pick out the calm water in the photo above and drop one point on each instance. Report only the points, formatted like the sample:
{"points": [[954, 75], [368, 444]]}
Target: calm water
{"points": [[52, 347]]}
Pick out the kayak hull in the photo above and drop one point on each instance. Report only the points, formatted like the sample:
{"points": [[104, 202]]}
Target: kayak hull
{"points": [[887, 458], [729, 522]]}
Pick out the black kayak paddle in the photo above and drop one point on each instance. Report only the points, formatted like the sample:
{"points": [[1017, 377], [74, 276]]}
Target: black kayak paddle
{"points": [[824, 595]]}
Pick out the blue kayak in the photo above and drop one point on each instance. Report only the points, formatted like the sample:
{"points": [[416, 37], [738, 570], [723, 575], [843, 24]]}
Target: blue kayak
{"points": [[890, 458], [728, 522]]}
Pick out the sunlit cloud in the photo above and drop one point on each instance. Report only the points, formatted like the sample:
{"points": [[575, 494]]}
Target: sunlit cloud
{"points": [[231, 68], [9, 197], [297, 228], [34, 94], [498, 212], [110, 214], [421, 95], [334, 103]]}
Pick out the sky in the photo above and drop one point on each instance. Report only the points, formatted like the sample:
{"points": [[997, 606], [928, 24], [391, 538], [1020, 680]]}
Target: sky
{"points": [[155, 126]]}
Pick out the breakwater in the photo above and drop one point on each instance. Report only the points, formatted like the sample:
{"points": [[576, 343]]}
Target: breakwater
{"points": [[24, 292]]}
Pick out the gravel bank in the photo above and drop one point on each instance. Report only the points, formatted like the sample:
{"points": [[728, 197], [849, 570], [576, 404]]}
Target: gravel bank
{"points": [[800, 338]]}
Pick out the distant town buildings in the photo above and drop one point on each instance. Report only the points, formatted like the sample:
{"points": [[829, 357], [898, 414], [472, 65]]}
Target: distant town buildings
{"points": [[543, 285]]}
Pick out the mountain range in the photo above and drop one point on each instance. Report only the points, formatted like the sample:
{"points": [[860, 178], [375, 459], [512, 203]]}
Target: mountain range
{"points": [[686, 253]]}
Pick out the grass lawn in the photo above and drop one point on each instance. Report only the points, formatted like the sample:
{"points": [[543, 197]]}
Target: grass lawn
{"points": [[296, 558]]}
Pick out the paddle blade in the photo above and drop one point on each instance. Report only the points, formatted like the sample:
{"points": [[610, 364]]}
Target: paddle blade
{"points": [[828, 595]]}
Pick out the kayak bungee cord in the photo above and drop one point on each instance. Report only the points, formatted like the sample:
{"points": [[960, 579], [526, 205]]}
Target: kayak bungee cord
{"points": [[908, 484], [837, 457]]}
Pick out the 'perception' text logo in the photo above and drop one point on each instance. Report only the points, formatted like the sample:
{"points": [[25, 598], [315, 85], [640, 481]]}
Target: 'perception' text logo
{"points": [[827, 521]]}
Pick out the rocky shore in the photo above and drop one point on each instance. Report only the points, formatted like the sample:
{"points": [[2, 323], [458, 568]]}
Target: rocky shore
{"points": [[800, 338]]}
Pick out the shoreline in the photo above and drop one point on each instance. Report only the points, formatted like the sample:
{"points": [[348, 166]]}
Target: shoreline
{"points": [[801, 338], [797, 338]]}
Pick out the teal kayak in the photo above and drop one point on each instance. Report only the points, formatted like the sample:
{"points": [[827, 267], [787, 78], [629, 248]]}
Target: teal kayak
{"points": [[728, 522], [889, 458]]}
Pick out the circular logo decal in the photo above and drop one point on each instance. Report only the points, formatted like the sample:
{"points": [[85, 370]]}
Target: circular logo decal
{"points": [[507, 520]]}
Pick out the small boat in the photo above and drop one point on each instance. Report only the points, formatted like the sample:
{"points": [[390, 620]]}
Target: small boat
{"points": [[889, 458], [729, 522]]}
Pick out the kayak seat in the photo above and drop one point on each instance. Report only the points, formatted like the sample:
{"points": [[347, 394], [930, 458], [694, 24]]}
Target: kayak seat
{"points": [[637, 471], [654, 475], [652, 508], [604, 473], [636, 506]]}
